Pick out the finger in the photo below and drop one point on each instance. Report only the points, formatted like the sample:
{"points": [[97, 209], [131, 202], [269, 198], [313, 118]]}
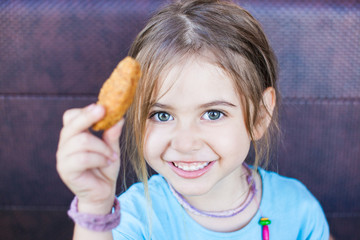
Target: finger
{"points": [[85, 142], [112, 136], [84, 120], [70, 114], [80, 162]]}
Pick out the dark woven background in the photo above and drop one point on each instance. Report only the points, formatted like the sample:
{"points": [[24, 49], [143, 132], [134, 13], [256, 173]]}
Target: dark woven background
{"points": [[54, 55]]}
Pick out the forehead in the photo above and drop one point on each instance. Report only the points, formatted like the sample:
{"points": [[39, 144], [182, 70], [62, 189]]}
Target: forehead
{"points": [[196, 78]]}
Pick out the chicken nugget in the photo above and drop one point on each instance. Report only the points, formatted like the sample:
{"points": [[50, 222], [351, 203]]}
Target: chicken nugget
{"points": [[117, 92]]}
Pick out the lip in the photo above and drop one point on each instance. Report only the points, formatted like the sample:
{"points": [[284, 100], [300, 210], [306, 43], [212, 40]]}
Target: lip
{"points": [[191, 174]]}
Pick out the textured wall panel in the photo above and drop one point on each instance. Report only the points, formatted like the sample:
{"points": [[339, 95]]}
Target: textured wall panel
{"points": [[54, 55]]}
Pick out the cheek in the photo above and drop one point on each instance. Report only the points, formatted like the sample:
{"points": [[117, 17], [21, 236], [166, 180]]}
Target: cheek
{"points": [[155, 142], [230, 140]]}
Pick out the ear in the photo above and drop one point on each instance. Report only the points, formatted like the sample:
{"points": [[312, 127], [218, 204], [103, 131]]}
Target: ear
{"points": [[265, 113]]}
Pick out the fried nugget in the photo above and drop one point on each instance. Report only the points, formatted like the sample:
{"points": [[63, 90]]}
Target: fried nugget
{"points": [[117, 93]]}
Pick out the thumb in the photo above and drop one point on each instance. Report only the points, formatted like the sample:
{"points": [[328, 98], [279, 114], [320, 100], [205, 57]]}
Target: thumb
{"points": [[112, 136]]}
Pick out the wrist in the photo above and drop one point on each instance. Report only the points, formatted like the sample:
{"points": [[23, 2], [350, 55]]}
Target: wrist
{"points": [[100, 208], [96, 222]]}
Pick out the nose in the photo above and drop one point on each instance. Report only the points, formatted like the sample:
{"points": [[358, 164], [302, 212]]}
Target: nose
{"points": [[186, 140]]}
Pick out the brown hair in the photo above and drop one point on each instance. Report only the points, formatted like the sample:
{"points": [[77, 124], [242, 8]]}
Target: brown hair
{"points": [[189, 27]]}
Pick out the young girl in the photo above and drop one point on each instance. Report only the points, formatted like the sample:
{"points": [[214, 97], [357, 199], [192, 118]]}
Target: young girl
{"points": [[208, 93]]}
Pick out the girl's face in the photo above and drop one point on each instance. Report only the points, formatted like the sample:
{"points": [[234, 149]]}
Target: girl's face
{"points": [[195, 135]]}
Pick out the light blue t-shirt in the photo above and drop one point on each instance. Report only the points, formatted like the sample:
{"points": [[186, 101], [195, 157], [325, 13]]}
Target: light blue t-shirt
{"points": [[293, 210]]}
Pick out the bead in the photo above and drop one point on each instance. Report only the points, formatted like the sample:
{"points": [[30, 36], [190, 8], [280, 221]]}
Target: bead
{"points": [[265, 233], [264, 221]]}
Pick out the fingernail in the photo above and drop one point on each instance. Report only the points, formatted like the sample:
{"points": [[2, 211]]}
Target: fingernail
{"points": [[96, 109], [90, 107]]}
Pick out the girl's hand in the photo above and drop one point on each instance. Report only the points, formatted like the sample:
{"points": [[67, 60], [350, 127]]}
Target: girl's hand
{"points": [[88, 165]]}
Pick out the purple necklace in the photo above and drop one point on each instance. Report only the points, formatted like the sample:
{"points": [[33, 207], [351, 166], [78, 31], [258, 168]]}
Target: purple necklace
{"points": [[220, 214]]}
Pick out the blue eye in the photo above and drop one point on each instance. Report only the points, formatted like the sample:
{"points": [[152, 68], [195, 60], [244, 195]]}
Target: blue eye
{"points": [[162, 117], [213, 115]]}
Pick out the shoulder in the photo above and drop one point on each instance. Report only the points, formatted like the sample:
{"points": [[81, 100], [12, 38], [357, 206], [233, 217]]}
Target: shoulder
{"points": [[136, 201], [136, 193], [283, 191], [135, 208], [288, 198], [281, 186]]}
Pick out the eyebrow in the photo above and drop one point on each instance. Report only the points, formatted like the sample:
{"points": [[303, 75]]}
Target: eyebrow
{"points": [[217, 103], [163, 106], [205, 105]]}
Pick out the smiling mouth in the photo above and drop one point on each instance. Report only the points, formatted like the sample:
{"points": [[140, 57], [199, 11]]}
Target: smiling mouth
{"points": [[195, 166], [191, 170]]}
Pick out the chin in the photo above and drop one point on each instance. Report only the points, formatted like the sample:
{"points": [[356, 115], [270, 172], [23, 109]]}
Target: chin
{"points": [[191, 187]]}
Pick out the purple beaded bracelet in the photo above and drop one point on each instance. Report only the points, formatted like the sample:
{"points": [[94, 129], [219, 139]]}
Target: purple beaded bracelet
{"points": [[98, 223]]}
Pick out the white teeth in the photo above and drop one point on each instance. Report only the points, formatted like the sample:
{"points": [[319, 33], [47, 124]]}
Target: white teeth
{"points": [[191, 166]]}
